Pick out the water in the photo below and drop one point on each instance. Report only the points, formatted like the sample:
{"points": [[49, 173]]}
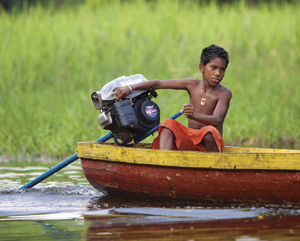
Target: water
{"points": [[66, 207]]}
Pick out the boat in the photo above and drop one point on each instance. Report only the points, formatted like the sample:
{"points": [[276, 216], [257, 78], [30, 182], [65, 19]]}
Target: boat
{"points": [[238, 175]]}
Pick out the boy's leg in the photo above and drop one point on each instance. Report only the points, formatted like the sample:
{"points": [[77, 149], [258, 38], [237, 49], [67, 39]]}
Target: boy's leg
{"points": [[166, 139], [209, 143]]}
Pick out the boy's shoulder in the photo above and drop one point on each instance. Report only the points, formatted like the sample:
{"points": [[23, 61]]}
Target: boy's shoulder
{"points": [[192, 81], [225, 90]]}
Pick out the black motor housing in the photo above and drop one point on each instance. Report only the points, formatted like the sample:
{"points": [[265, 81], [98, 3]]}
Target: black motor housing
{"points": [[130, 118]]}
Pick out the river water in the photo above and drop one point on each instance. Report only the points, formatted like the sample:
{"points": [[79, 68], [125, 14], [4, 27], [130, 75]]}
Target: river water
{"points": [[66, 207]]}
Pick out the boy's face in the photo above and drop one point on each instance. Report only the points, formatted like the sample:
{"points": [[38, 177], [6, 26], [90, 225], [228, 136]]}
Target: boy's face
{"points": [[214, 71]]}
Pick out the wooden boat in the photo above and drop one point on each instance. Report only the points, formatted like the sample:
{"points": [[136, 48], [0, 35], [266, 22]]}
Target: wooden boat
{"points": [[235, 176]]}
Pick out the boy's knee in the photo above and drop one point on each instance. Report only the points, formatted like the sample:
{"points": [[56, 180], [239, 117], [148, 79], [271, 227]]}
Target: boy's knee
{"points": [[166, 139], [166, 132], [209, 138], [210, 143]]}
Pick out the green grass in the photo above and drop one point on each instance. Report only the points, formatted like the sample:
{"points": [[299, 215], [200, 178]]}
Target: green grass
{"points": [[51, 62]]}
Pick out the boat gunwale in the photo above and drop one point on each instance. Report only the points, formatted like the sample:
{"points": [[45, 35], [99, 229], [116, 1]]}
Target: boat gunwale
{"points": [[283, 160]]}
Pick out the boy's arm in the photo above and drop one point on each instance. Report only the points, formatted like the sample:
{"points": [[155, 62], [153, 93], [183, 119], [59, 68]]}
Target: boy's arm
{"points": [[181, 84], [218, 115]]}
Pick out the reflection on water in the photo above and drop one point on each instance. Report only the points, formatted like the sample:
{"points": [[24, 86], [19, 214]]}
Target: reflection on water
{"points": [[66, 207], [91, 218], [144, 224], [136, 220], [43, 230], [148, 228]]}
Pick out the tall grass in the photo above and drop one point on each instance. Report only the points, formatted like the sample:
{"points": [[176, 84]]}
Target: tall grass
{"points": [[51, 61]]}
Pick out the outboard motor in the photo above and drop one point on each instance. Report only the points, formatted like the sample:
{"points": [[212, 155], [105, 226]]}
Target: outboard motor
{"points": [[130, 117]]}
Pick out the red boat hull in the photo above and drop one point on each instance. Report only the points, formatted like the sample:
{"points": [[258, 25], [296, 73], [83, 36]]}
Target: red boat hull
{"points": [[196, 185]]}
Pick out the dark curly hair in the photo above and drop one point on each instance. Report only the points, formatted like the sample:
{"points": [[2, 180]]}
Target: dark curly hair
{"points": [[213, 51]]}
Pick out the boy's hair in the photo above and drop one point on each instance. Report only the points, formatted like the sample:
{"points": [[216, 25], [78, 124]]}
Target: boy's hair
{"points": [[211, 52]]}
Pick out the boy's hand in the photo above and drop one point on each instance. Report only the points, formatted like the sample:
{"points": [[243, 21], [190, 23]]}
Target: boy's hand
{"points": [[188, 110], [121, 92]]}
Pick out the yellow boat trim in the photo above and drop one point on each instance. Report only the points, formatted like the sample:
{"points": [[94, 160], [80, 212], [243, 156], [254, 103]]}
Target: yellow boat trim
{"points": [[231, 158]]}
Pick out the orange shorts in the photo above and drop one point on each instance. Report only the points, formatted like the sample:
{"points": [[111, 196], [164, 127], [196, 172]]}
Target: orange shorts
{"points": [[188, 139]]}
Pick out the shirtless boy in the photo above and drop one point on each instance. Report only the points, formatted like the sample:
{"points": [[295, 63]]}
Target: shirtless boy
{"points": [[209, 103]]}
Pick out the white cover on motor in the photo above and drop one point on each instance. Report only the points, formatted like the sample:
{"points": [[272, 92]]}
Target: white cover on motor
{"points": [[107, 93]]}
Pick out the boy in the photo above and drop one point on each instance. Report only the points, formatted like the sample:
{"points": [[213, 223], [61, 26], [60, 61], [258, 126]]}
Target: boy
{"points": [[209, 103]]}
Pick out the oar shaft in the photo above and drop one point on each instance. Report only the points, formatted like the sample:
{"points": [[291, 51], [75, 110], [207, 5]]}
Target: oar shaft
{"points": [[74, 157], [61, 165]]}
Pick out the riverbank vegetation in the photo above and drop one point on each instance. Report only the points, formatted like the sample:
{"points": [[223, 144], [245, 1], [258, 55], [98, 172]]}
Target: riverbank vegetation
{"points": [[51, 62]]}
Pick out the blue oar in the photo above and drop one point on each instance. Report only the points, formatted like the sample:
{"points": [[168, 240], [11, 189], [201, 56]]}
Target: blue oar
{"points": [[74, 157], [61, 165]]}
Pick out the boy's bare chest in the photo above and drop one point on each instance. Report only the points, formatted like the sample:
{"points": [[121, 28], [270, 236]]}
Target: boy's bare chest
{"points": [[204, 104]]}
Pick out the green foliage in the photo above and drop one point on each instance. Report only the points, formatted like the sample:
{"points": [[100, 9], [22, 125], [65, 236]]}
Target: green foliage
{"points": [[51, 62]]}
